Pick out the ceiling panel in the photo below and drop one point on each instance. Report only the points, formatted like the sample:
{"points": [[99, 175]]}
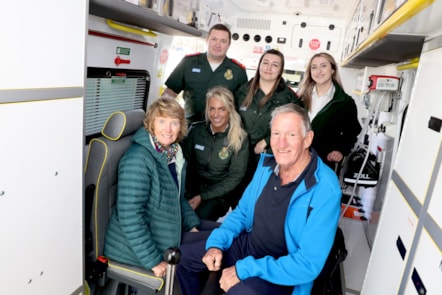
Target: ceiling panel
{"points": [[330, 8]]}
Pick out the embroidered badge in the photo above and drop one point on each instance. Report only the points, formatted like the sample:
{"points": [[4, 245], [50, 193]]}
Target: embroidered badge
{"points": [[228, 74], [224, 153]]}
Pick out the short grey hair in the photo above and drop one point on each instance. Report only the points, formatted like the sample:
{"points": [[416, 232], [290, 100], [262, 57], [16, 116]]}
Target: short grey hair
{"points": [[294, 109]]}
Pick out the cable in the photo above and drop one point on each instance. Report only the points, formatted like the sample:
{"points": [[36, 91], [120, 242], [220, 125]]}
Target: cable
{"points": [[374, 115], [353, 193]]}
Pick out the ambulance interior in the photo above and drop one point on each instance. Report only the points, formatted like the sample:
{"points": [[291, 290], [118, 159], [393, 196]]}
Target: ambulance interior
{"points": [[377, 45], [90, 58]]}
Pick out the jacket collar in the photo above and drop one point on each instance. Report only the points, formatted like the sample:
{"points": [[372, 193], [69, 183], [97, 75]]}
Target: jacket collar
{"points": [[143, 138], [309, 172], [339, 93]]}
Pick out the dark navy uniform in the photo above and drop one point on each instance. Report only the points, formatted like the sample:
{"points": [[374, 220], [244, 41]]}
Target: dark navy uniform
{"points": [[195, 77]]}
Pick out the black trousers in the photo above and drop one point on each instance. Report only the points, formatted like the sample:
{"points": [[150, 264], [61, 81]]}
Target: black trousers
{"points": [[191, 270]]}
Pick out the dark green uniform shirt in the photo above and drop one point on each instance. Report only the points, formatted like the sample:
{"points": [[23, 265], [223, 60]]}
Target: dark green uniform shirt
{"points": [[195, 77], [257, 120], [213, 169]]}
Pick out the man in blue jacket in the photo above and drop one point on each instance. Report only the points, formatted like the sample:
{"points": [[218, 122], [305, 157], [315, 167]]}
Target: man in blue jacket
{"points": [[278, 238]]}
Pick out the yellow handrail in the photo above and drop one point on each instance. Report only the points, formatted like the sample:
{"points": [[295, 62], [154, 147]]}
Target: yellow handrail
{"points": [[124, 28], [411, 64], [409, 9]]}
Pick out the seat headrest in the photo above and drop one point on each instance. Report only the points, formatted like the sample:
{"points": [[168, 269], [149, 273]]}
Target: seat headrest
{"points": [[122, 123]]}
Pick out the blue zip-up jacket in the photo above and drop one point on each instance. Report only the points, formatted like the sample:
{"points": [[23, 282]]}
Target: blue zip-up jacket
{"points": [[310, 227]]}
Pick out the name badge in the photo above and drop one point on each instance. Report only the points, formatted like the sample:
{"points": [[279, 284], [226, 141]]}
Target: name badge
{"points": [[199, 147], [195, 70], [242, 109]]}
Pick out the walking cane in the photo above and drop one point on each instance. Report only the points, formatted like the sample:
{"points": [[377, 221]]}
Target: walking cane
{"points": [[172, 256]]}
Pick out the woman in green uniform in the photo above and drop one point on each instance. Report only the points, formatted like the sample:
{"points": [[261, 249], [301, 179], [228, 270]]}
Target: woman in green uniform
{"points": [[217, 154]]}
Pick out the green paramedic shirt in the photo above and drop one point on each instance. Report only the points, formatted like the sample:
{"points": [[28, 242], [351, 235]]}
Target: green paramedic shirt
{"points": [[195, 77]]}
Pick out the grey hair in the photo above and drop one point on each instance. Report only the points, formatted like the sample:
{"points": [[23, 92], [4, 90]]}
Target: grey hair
{"points": [[294, 109]]}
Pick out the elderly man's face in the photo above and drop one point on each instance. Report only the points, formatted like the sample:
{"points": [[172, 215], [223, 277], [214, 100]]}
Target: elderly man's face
{"points": [[288, 141]]}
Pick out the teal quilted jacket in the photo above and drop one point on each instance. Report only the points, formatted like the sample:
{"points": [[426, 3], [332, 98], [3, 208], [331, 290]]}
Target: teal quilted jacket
{"points": [[150, 211]]}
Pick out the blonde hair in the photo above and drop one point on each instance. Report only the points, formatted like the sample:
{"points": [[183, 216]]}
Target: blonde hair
{"points": [[166, 107], [236, 134], [306, 87]]}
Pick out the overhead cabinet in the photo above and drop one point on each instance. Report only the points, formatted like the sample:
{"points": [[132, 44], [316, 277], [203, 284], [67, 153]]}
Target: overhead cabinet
{"points": [[143, 17]]}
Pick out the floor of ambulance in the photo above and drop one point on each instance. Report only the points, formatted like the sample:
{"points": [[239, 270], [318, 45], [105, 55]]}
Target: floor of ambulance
{"points": [[357, 236]]}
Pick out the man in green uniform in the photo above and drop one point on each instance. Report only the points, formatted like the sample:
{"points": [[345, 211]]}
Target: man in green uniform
{"points": [[197, 73]]}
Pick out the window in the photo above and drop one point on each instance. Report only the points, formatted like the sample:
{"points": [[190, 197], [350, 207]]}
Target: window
{"points": [[110, 90]]}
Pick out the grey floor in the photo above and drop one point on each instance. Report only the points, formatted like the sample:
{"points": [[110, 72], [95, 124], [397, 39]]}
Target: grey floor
{"points": [[355, 265]]}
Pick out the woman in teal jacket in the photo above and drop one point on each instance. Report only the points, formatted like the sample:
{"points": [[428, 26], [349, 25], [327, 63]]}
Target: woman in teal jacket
{"points": [[151, 212]]}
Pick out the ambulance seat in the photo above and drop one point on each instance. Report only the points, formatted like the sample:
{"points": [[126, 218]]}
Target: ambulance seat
{"points": [[101, 175], [329, 280]]}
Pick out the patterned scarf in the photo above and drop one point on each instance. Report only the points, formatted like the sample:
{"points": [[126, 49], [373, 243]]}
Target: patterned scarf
{"points": [[170, 152]]}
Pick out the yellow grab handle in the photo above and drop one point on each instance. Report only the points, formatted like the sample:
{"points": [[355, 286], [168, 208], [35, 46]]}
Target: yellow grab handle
{"points": [[124, 28]]}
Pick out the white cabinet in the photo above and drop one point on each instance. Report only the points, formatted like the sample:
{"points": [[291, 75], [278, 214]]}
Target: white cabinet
{"points": [[425, 274], [411, 212], [392, 245]]}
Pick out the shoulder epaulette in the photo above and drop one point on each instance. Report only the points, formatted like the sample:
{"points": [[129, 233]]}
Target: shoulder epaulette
{"points": [[193, 54], [238, 63]]}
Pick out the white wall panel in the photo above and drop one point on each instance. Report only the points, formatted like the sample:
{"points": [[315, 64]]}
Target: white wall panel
{"points": [[41, 197], [102, 51], [42, 44], [435, 206], [419, 145], [398, 220], [416, 186], [286, 32], [427, 263]]}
